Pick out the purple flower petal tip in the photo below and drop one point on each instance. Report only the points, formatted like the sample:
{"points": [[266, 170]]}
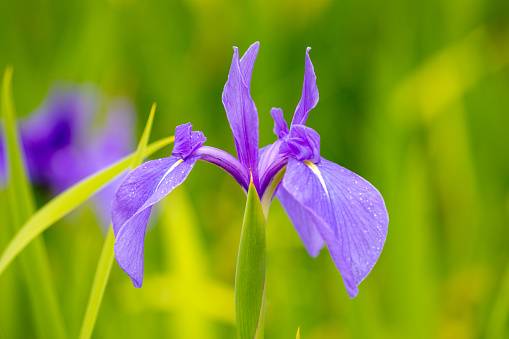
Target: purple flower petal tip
{"points": [[310, 94]]}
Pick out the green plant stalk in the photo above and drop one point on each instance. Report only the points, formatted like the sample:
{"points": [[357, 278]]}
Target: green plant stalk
{"points": [[250, 275], [34, 262], [103, 270], [101, 277]]}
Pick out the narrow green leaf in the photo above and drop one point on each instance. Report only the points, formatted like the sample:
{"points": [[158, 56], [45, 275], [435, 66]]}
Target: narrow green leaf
{"points": [[34, 262], [101, 277], [250, 277], [103, 270], [68, 201]]}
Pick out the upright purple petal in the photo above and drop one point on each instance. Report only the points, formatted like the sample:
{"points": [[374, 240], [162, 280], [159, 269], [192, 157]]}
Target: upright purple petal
{"points": [[268, 155], [309, 97], [271, 162], [130, 208], [247, 62], [280, 125], [241, 110], [348, 212]]}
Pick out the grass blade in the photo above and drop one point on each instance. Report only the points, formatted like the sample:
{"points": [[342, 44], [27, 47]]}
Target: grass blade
{"points": [[34, 262], [68, 201], [250, 277], [103, 270]]}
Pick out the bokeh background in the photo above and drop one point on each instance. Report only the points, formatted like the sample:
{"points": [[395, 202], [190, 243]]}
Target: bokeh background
{"points": [[414, 97]]}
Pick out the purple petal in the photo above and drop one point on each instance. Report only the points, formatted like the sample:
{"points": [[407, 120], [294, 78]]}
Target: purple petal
{"points": [[303, 143], [348, 212], [227, 162], [309, 97], [130, 208], [268, 155], [280, 125], [186, 141], [302, 221], [271, 162], [129, 246], [241, 110], [247, 62]]}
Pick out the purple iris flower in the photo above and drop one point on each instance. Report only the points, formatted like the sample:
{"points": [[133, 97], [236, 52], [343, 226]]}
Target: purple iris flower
{"points": [[62, 145], [325, 202]]}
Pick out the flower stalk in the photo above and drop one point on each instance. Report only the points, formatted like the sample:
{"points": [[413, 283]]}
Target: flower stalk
{"points": [[250, 274]]}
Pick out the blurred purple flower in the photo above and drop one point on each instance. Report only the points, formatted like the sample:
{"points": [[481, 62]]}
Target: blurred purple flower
{"points": [[325, 202], [62, 145]]}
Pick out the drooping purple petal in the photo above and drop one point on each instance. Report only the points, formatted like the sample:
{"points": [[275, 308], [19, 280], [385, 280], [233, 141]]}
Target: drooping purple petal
{"points": [[130, 244], [349, 213], [280, 125], [130, 208], [309, 97], [302, 221], [241, 110], [303, 143]]}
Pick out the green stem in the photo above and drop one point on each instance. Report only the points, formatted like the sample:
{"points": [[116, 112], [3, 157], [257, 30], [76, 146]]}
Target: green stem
{"points": [[101, 277], [250, 274]]}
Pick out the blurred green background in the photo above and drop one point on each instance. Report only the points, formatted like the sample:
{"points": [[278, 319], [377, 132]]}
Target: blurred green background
{"points": [[414, 97]]}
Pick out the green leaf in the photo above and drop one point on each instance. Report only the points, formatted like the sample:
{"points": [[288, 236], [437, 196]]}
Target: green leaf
{"points": [[68, 201], [103, 270], [250, 277], [34, 262]]}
